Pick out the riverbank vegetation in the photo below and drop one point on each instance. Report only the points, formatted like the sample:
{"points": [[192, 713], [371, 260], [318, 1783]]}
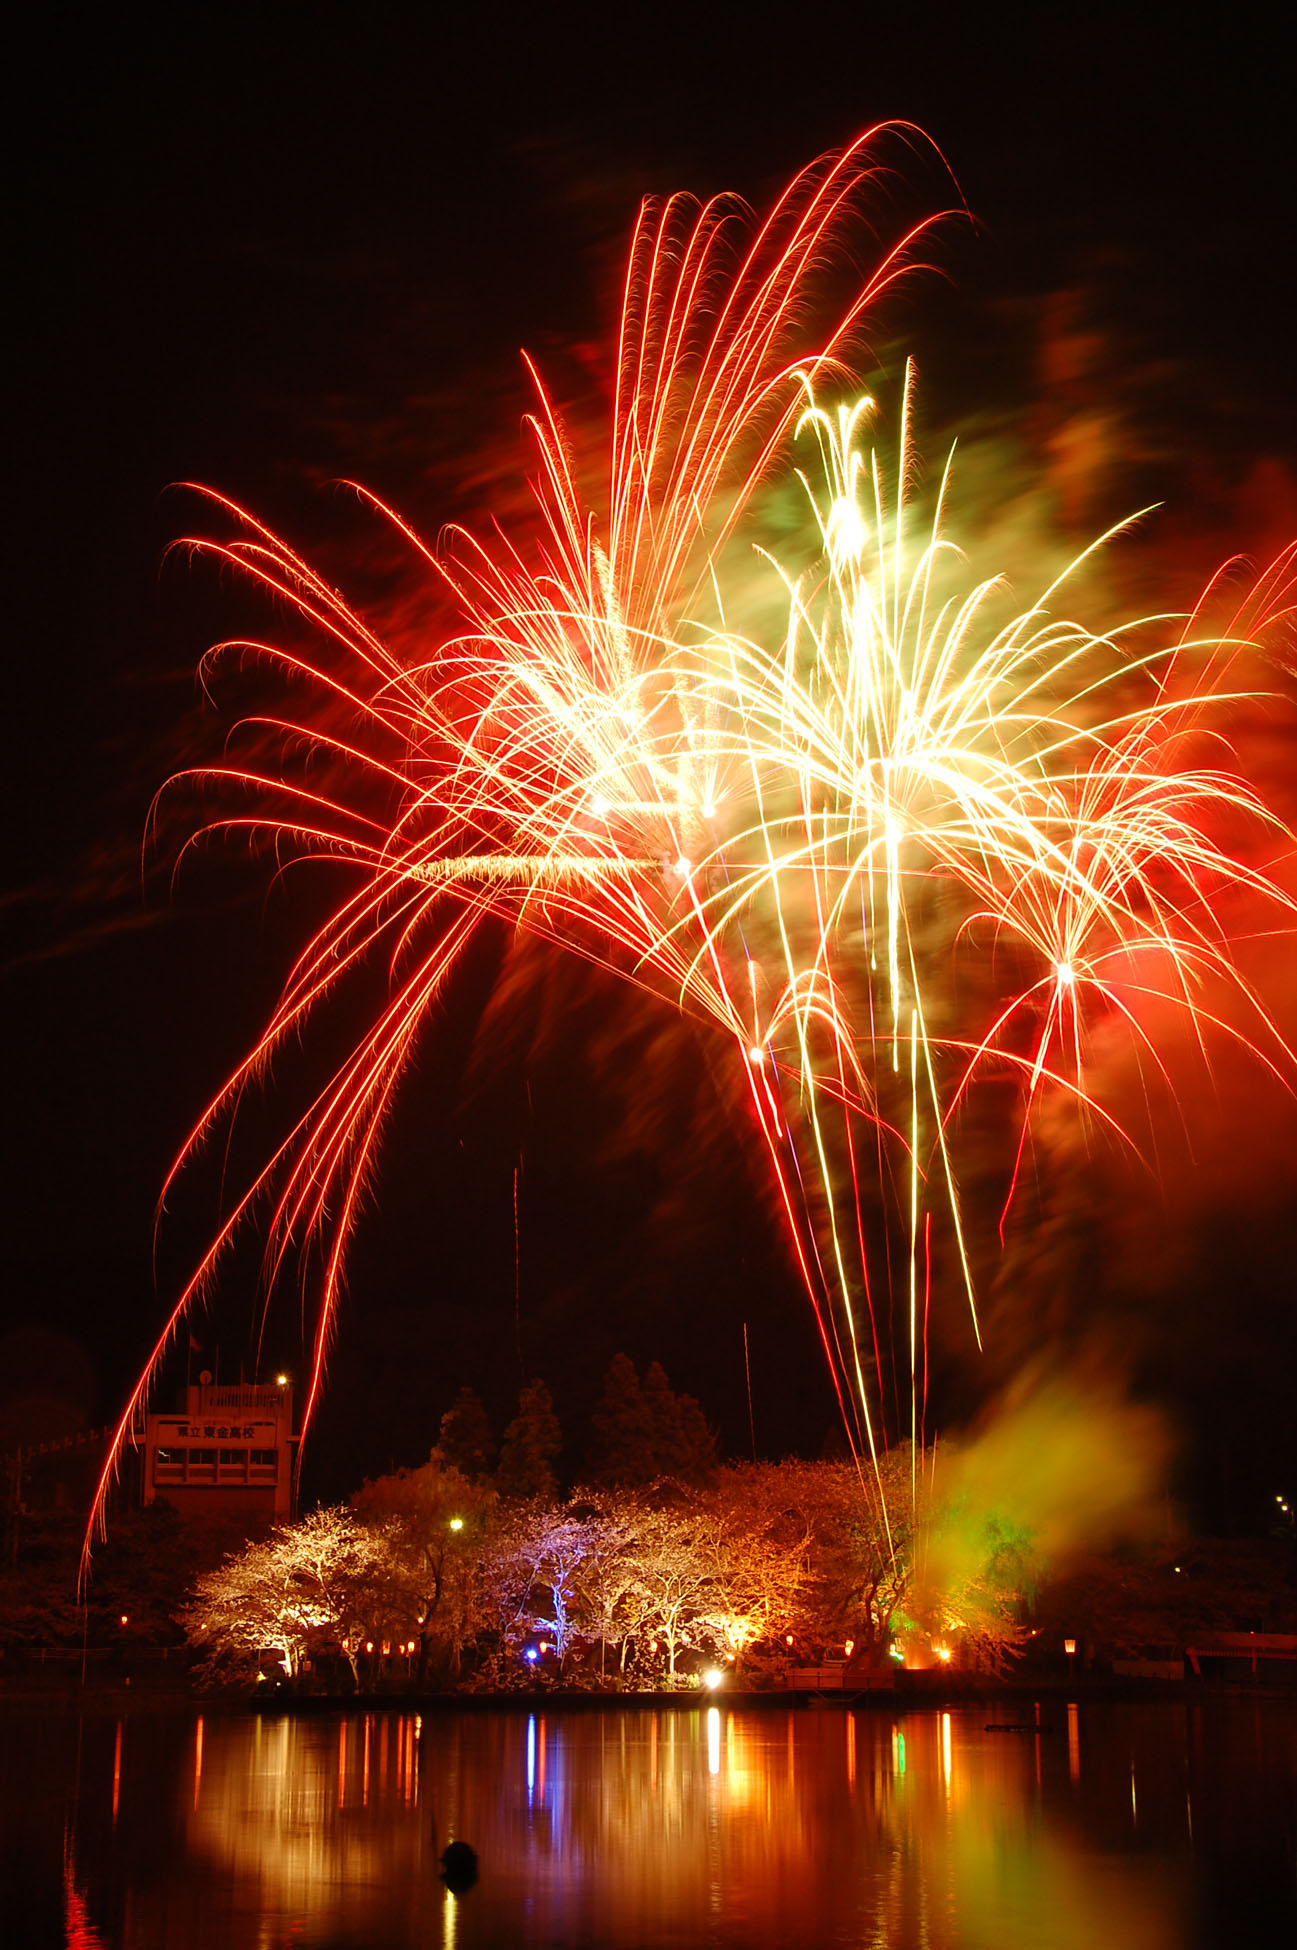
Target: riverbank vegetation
{"points": [[430, 1577], [476, 1571]]}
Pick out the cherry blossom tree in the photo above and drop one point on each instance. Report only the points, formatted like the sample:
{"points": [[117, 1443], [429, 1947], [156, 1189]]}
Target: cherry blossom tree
{"points": [[323, 1580], [437, 1526]]}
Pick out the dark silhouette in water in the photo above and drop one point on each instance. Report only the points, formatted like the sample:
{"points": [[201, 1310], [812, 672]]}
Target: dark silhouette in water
{"points": [[458, 1867]]}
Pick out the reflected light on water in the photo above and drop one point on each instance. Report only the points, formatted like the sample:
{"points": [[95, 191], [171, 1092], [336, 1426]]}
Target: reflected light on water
{"points": [[717, 1824], [78, 1930]]}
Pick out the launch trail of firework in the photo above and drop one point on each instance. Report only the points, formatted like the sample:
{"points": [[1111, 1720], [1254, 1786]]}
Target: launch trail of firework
{"points": [[799, 834]]}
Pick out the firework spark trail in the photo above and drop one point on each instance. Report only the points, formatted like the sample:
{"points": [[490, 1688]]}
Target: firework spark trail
{"points": [[1071, 815], [793, 840]]}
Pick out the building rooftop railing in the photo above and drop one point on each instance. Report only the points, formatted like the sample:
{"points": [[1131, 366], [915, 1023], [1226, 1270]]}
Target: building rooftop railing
{"points": [[244, 1395]]}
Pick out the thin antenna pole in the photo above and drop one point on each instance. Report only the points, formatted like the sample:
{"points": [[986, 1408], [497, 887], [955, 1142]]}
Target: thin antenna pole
{"points": [[517, 1275], [747, 1369]]}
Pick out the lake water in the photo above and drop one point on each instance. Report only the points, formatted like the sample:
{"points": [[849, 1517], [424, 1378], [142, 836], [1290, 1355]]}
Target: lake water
{"points": [[1117, 1827]]}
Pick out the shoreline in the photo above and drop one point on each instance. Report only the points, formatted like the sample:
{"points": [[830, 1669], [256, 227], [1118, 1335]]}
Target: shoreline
{"points": [[1004, 1694]]}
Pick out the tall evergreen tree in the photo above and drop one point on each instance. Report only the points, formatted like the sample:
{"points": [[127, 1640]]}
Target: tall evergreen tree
{"points": [[641, 1432], [465, 1439], [620, 1451], [698, 1461], [681, 1443], [530, 1446], [664, 1424]]}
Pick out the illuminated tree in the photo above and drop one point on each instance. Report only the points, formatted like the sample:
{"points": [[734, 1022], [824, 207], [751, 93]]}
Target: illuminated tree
{"points": [[675, 1561], [436, 1526], [760, 1564], [321, 1582], [614, 1600], [841, 1550], [535, 1573]]}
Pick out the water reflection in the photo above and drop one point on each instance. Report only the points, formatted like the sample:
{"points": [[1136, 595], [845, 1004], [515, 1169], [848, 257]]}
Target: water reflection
{"points": [[1135, 1827]]}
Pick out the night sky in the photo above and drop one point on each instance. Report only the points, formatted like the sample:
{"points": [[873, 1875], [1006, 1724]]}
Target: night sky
{"points": [[262, 258]]}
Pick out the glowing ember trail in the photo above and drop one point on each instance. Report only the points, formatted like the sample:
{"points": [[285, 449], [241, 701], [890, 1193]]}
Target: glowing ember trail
{"points": [[797, 837]]}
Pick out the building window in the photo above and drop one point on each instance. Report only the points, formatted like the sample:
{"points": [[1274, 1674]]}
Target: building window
{"points": [[234, 1459]]}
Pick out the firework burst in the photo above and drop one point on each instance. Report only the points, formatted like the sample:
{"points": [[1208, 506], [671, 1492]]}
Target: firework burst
{"points": [[794, 837]]}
